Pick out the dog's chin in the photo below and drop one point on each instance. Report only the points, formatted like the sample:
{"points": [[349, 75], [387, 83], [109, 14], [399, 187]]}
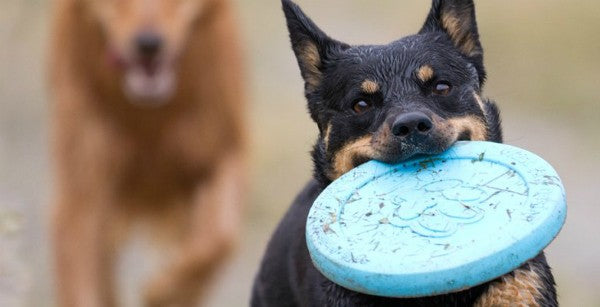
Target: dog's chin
{"points": [[149, 88]]}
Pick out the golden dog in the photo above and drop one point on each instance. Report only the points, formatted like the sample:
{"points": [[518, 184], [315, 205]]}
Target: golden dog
{"points": [[147, 126]]}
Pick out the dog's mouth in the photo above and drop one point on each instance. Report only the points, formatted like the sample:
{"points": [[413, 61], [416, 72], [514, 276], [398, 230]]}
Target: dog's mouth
{"points": [[400, 152], [444, 135], [146, 81], [149, 83], [387, 151]]}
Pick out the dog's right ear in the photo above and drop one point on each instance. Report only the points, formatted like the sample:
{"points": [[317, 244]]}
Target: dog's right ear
{"points": [[456, 18], [311, 45]]}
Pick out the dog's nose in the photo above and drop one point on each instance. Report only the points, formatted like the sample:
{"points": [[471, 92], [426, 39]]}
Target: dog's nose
{"points": [[148, 44], [414, 123]]}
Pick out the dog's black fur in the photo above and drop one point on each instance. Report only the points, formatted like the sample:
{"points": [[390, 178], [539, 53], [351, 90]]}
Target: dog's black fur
{"points": [[417, 95]]}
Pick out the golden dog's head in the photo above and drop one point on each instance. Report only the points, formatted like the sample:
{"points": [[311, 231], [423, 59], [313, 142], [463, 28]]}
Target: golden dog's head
{"points": [[144, 38]]}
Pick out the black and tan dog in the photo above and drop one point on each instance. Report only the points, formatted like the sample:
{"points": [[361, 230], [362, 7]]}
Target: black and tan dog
{"points": [[417, 95]]}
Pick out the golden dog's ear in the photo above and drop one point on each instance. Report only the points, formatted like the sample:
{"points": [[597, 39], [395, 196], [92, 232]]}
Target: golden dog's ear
{"points": [[456, 18], [312, 46]]}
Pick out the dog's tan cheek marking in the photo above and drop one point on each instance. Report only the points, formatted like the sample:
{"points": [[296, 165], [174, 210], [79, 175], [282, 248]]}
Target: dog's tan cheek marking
{"points": [[343, 160], [425, 73], [369, 87], [520, 289], [311, 60], [472, 124]]}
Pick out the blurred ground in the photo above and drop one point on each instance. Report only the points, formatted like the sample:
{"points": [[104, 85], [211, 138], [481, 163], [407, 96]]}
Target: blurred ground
{"points": [[542, 60]]}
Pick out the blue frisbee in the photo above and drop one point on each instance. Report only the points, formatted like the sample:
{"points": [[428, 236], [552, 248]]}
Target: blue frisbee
{"points": [[435, 224]]}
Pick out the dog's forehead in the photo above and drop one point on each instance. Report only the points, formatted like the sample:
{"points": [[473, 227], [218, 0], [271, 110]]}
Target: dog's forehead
{"points": [[402, 57]]}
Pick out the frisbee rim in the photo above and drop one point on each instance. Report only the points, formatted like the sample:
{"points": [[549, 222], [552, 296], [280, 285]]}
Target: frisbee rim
{"points": [[426, 283]]}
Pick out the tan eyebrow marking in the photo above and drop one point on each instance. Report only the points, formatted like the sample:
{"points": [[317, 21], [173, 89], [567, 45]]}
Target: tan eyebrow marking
{"points": [[425, 73], [369, 87]]}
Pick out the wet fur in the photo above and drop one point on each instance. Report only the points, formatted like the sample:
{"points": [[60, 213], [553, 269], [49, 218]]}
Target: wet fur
{"points": [[398, 79], [179, 168]]}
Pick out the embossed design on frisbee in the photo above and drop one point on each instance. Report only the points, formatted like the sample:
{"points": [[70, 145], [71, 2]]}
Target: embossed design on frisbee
{"points": [[436, 224]]}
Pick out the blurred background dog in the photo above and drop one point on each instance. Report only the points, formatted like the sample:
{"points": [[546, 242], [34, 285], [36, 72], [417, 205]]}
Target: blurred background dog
{"points": [[147, 108], [542, 58]]}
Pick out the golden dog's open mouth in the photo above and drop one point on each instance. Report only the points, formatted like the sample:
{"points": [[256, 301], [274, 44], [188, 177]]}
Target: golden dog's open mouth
{"points": [[146, 81], [149, 85]]}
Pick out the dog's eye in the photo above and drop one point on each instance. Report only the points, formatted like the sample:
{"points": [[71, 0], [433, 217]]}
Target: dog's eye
{"points": [[361, 106], [442, 88]]}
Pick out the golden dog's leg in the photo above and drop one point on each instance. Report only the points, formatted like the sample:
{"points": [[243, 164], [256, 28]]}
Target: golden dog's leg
{"points": [[83, 254], [215, 219]]}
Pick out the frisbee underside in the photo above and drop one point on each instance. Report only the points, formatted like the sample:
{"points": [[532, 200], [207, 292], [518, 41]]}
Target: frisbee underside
{"points": [[436, 224]]}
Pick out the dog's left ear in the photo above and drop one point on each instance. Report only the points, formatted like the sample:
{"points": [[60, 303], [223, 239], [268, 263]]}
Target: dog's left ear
{"points": [[457, 19], [313, 48]]}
